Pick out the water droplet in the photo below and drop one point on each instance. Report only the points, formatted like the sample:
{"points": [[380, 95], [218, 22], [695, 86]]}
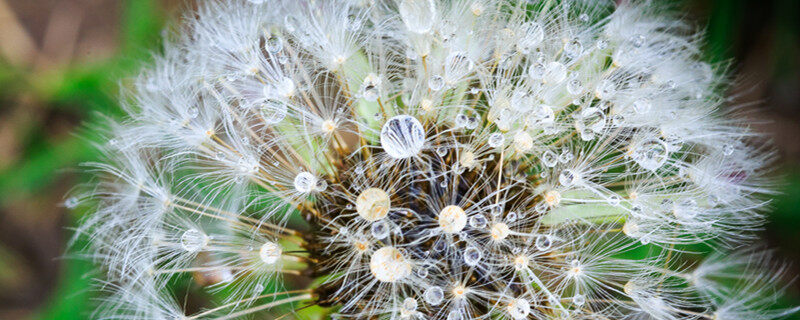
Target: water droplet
{"points": [[519, 308], [409, 307], [274, 44], [555, 73], [511, 217], [270, 252], [434, 295], [496, 140], [642, 106], [606, 90], [614, 200], [549, 158], [574, 87], [472, 256], [380, 229], [532, 34], [192, 112], [457, 65], [461, 120], [543, 242], [579, 299], [601, 44], [273, 111], [536, 71], [370, 88], [478, 221], [567, 178], [650, 154], [418, 15], [436, 83], [402, 137], [193, 240], [71, 203], [423, 272], [638, 40], [496, 211], [583, 17], [573, 48], [728, 149], [590, 121], [304, 182]]}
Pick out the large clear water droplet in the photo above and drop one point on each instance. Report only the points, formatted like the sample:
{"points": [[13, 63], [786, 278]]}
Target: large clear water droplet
{"points": [[457, 65], [193, 240], [304, 182], [650, 154], [519, 308], [380, 229], [402, 137], [273, 111], [543, 242], [418, 15], [472, 256], [496, 140], [434, 295], [531, 35]]}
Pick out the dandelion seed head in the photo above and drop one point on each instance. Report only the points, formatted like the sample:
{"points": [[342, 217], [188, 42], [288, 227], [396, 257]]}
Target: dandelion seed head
{"points": [[423, 159]]}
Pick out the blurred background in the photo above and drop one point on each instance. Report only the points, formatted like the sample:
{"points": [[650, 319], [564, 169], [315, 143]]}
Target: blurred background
{"points": [[61, 62]]}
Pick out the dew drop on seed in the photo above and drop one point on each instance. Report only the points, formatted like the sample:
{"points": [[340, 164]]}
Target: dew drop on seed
{"points": [[579, 300], [565, 156], [583, 17], [418, 15], [727, 149], [549, 159], [478, 221], [511, 217], [650, 154], [472, 256], [422, 272], [441, 151], [409, 307], [536, 71], [574, 87], [455, 315], [496, 211], [519, 308], [472, 123], [270, 252], [606, 90], [642, 106], [496, 140], [532, 35], [457, 65], [192, 112], [193, 240], [274, 44], [601, 44], [304, 182], [380, 229], [543, 242], [436, 83], [461, 120], [402, 137], [273, 111], [555, 72], [71, 203], [614, 200], [567, 178], [573, 48], [370, 89], [434, 295]]}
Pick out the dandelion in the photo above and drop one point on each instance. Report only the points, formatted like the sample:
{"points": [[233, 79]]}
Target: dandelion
{"points": [[421, 159]]}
